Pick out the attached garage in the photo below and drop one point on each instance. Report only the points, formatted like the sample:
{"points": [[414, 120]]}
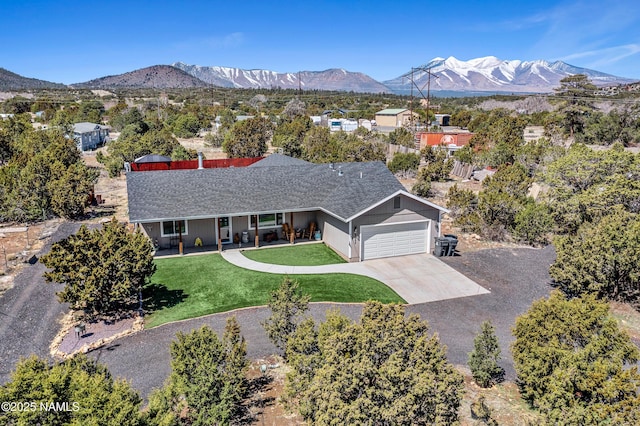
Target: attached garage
{"points": [[394, 239]]}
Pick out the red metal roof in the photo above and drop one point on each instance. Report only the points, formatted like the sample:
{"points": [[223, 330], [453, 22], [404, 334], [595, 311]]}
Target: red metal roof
{"points": [[193, 164]]}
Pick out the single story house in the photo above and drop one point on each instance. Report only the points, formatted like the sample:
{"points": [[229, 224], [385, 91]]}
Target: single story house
{"points": [[394, 117], [361, 209], [90, 135]]}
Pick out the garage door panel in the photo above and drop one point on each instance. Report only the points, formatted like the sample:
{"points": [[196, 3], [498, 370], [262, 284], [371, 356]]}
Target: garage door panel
{"points": [[394, 239]]}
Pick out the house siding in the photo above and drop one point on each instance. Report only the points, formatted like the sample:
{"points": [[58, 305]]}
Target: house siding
{"points": [[203, 228], [302, 220], [335, 233], [410, 210]]}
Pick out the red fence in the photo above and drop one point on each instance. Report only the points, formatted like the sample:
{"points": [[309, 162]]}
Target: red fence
{"points": [[193, 164]]}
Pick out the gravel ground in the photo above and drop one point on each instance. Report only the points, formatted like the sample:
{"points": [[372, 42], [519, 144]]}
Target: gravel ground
{"points": [[29, 311], [516, 278]]}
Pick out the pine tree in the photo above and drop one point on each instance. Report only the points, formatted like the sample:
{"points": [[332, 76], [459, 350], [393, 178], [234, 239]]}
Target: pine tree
{"points": [[483, 360], [287, 304]]}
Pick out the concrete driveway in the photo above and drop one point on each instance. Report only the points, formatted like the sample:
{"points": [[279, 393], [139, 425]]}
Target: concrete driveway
{"points": [[417, 278]]}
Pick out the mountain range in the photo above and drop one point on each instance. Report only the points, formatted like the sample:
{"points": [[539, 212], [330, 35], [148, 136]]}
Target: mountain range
{"points": [[490, 74], [331, 79], [482, 75], [12, 81]]}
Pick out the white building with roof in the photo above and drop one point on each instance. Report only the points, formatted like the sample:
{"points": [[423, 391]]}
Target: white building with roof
{"points": [[90, 135]]}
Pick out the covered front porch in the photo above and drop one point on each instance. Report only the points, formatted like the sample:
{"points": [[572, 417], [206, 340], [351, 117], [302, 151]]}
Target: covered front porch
{"points": [[182, 236], [206, 249]]}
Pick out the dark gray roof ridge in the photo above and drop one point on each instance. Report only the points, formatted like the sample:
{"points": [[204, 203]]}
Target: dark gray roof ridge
{"points": [[159, 195]]}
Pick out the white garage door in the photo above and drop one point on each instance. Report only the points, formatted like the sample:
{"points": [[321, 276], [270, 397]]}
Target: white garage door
{"points": [[395, 239]]}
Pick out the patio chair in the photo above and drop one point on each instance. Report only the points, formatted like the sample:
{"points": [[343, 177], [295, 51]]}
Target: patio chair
{"points": [[309, 232], [286, 231]]}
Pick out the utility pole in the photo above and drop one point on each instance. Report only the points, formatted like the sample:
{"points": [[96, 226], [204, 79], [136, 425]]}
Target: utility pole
{"points": [[428, 94], [411, 102], [420, 89]]}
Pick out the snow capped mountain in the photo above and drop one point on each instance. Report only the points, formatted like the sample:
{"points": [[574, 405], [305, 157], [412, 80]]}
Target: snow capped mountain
{"points": [[331, 79], [490, 74]]}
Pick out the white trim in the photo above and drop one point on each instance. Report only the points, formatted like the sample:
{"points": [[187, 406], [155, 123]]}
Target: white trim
{"points": [[230, 221], [186, 228], [350, 239], [250, 226], [399, 192]]}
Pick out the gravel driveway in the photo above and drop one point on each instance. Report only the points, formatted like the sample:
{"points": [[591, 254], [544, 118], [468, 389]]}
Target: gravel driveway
{"points": [[515, 277], [29, 311]]}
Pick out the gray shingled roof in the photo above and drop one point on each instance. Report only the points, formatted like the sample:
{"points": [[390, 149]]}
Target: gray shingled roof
{"points": [[86, 127], [171, 194], [279, 160]]}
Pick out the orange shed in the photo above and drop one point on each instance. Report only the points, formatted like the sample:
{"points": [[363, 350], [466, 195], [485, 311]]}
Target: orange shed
{"points": [[447, 139]]}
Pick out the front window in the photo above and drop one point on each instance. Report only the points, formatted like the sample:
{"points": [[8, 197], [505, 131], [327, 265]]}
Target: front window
{"points": [[174, 227], [267, 220]]}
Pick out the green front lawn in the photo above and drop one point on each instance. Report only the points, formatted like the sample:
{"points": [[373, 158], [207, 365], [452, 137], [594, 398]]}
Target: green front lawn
{"points": [[189, 287], [296, 255]]}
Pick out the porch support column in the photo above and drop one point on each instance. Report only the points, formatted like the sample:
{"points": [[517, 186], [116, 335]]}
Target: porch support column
{"points": [[292, 236], [257, 236], [180, 237], [219, 237]]}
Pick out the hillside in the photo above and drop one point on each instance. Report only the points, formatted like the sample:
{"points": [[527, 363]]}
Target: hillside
{"points": [[12, 81], [154, 77]]}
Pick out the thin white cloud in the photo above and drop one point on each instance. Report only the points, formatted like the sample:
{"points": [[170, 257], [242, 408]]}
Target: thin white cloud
{"points": [[606, 56], [587, 29]]}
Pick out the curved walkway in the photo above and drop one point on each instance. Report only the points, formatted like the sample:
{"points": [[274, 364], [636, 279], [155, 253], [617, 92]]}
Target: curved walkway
{"points": [[416, 278]]}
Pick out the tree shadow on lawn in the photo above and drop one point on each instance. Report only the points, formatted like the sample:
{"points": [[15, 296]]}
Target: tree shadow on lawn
{"points": [[157, 296]]}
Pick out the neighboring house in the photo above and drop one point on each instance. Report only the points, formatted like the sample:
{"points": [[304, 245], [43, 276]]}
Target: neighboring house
{"points": [[90, 135], [452, 140], [361, 209], [394, 117]]}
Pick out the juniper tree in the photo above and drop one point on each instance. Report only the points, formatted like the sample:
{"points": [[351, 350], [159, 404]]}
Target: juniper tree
{"points": [[384, 369], [84, 391], [574, 364], [603, 259], [207, 381], [287, 304], [103, 270], [483, 360]]}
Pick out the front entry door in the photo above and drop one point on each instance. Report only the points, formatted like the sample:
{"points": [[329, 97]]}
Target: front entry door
{"points": [[225, 230]]}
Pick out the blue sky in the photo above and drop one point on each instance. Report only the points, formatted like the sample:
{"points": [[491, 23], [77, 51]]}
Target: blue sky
{"points": [[75, 41]]}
